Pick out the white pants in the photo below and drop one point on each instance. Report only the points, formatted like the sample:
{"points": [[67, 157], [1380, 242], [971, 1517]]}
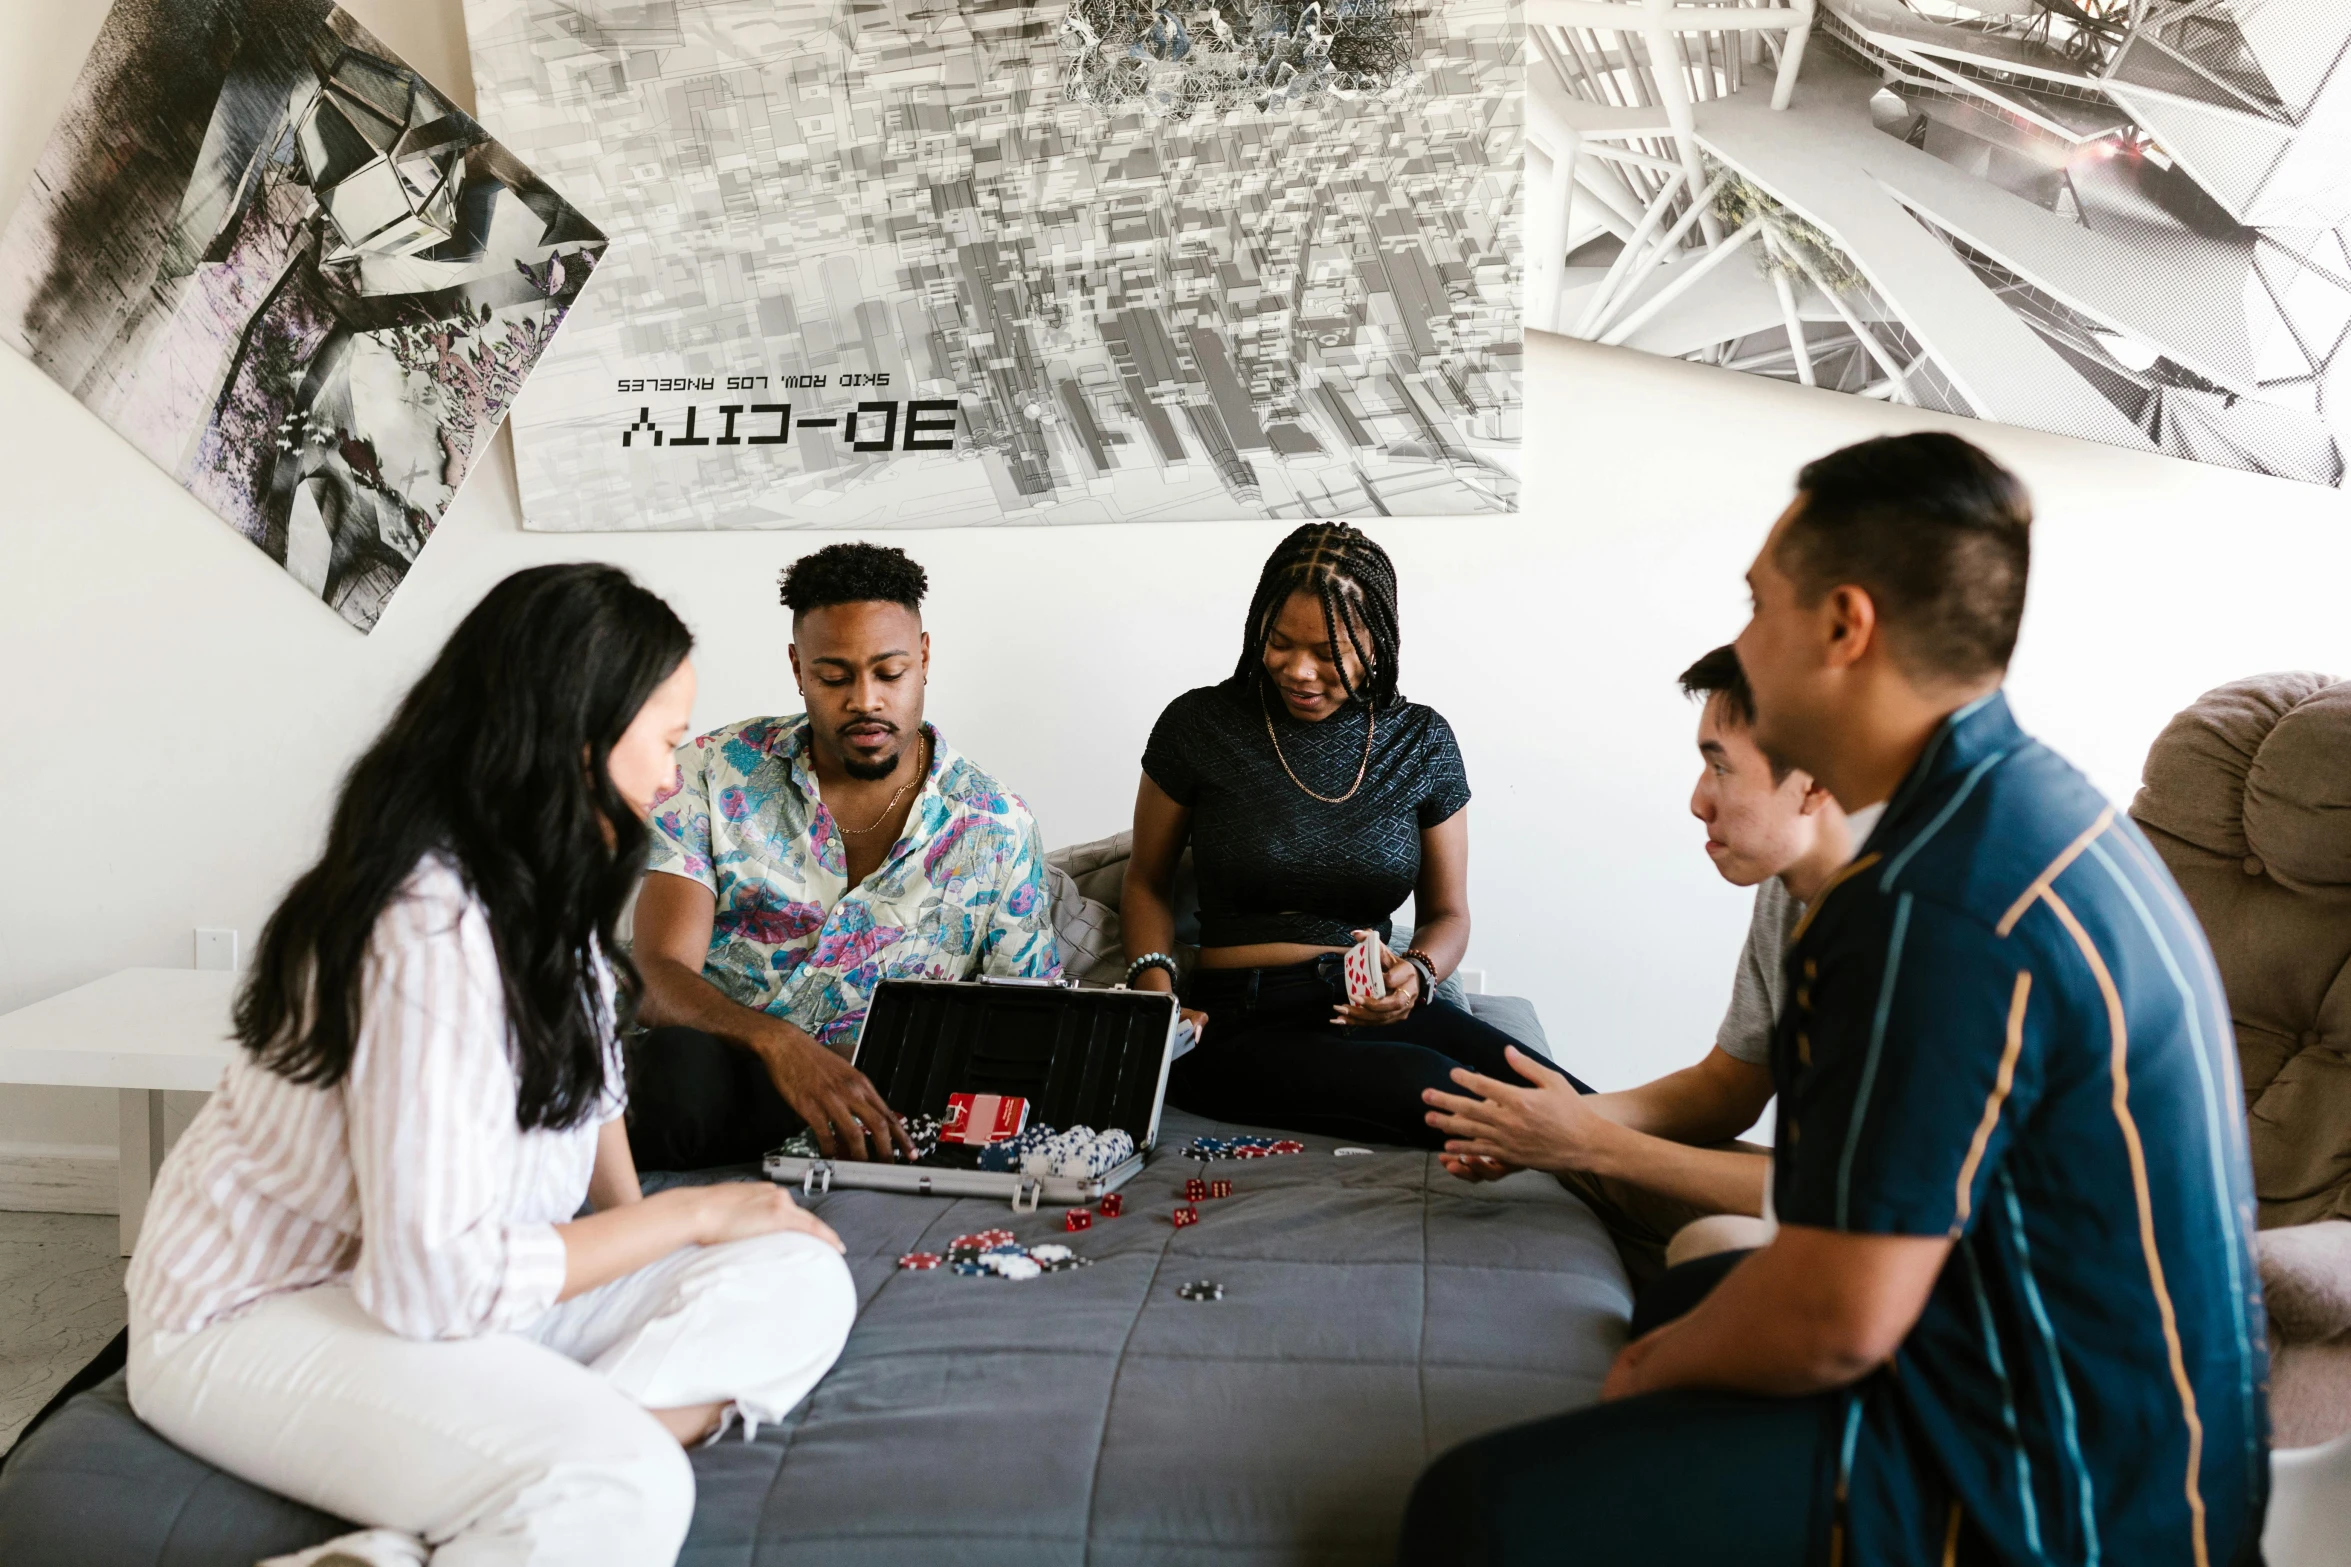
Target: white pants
{"points": [[510, 1448]]}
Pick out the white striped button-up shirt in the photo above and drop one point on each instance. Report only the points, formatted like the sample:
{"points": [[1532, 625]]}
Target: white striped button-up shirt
{"points": [[410, 1177]]}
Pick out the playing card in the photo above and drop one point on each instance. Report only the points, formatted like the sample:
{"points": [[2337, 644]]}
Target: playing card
{"points": [[1366, 970]]}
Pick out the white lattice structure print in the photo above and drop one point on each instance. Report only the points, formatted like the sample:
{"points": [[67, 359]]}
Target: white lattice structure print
{"points": [[2123, 219]]}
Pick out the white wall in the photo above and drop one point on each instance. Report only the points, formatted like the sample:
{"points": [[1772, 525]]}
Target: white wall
{"points": [[175, 711]]}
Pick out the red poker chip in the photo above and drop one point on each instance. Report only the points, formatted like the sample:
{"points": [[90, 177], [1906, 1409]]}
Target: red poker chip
{"points": [[920, 1261], [981, 1241]]}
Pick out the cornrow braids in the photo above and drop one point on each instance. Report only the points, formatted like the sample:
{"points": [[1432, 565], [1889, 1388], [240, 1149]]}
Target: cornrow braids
{"points": [[1355, 582]]}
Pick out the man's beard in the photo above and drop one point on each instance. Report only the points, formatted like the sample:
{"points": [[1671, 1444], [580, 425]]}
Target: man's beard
{"points": [[873, 771]]}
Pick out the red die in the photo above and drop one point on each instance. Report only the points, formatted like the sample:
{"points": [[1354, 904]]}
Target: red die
{"points": [[1077, 1219], [1220, 1188], [1195, 1189], [1186, 1214], [1112, 1206]]}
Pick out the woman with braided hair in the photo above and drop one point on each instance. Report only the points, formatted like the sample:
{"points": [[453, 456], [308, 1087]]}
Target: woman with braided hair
{"points": [[1315, 800]]}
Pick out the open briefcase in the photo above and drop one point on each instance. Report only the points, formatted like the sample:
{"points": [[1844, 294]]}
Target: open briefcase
{"points": [[1096, 1058]]}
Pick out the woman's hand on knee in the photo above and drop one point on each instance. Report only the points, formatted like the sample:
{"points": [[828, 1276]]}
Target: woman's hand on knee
{"points": [[741, 1210]]}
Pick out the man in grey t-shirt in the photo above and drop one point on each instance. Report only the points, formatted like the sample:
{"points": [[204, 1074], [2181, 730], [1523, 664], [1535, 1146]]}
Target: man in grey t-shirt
{"points": [[1653, 1159]]}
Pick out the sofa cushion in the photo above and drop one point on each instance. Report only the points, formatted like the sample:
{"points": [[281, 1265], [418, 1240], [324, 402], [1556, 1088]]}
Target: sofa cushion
{"points": [[2298, 793], [2247, 797]]}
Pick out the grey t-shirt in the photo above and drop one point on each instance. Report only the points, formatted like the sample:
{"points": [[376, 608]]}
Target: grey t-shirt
{"points": [[1756, 990]]}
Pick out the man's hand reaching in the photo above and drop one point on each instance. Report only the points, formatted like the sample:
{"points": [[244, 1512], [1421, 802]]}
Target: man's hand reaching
{"points": [[843, 1111], [1506, 1126]]}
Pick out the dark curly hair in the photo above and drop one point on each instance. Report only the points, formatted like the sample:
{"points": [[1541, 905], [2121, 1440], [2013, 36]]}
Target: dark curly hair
{"points": [[853, 574]]}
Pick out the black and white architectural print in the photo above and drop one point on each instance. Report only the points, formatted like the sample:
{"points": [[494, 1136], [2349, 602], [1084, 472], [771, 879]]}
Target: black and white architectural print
{"points": [[924, 263], [2128, 220], [290, 272]]}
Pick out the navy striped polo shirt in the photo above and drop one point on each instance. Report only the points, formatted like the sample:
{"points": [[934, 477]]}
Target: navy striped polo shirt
{"points": [[2004, 1026]]}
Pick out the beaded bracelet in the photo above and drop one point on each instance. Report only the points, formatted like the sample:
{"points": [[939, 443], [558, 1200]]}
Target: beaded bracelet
{"points": [[1157, 960], [1426, 966]]}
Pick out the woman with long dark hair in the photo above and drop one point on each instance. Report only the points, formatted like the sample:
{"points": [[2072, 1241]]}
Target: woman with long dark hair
{"points": [[362, 1282], [1315, 800]]}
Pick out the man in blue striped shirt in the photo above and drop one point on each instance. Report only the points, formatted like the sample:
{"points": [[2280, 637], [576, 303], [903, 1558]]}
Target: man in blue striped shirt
{"points": [[2012, 1313]]}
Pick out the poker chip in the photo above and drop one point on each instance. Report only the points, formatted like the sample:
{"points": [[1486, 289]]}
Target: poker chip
{"points": [[1241, 1147], [994, 1254], [1078, 1153], [982, 1241], [1011, 1155], [1201, 1289], [921, 1130]]}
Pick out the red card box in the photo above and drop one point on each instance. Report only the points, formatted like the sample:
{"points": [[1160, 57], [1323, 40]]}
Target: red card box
{"points": [[976, 1120]]}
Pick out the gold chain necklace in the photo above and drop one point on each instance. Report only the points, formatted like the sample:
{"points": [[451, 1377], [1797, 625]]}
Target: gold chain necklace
{"points": [[919, 774], [1370, 729]]}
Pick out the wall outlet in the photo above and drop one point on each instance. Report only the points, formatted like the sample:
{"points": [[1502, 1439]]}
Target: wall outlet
{"points": [[1473, 980], [216, 950]]}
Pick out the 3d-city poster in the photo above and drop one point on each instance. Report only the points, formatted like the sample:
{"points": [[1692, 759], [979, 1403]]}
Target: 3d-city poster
{"points": [[924, 263], [290, 272]]}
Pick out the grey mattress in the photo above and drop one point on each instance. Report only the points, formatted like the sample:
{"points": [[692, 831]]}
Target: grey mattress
{"points": [[1376, 1312]]}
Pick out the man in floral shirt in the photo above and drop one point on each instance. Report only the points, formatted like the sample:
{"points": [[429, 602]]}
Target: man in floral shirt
{"points": [[803, 860]]}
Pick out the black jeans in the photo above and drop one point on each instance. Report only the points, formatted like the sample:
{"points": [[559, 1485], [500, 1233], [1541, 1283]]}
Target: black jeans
{"points": [[696, 1101], [1272, 1057], [1661, 1480]]}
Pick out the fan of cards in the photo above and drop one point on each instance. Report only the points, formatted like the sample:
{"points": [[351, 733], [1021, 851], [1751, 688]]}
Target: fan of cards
{"points": [[1366, 969], [1081, 1151]]}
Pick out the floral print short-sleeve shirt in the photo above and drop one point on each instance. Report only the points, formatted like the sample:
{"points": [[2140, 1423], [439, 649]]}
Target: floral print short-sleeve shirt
{"points": [[961, 894]]}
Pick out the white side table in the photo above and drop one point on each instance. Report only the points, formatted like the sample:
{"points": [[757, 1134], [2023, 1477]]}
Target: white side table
{"points": [[140, 1031]]}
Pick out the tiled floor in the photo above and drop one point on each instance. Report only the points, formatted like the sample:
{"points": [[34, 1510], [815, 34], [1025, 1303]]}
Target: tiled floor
{"points": [[60, 1301]]}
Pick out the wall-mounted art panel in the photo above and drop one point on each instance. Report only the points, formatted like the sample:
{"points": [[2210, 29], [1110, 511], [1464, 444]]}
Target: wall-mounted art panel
{"points": [[946, 262], [2128, 220], [293, 274]]}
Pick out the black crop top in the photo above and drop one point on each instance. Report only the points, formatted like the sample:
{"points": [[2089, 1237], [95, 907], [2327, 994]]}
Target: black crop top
{"points": [[1276, 864]]}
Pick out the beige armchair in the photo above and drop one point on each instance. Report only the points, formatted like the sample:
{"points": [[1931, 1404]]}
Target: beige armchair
{"points": [[2247, 796]]}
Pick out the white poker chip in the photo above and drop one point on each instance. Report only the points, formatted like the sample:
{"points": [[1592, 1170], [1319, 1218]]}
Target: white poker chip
{"points": [[1013, 1266], [1049, 1252], [1342, 1153]]}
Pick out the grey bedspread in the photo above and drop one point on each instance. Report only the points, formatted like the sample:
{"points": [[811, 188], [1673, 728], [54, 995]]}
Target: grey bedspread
{"points": [[1375, 1313]]}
